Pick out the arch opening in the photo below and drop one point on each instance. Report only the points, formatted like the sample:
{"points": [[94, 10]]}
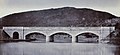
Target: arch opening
{"points": [[15, 35], [87, 38], [61, 38], [36, 37]]}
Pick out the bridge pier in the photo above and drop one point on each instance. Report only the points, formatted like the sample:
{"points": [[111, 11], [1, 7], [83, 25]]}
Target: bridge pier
{"points": [[73, 39], [47, 39]]}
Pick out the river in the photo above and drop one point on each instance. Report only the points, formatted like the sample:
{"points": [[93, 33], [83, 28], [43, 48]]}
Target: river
{"points": [[31, 48]]}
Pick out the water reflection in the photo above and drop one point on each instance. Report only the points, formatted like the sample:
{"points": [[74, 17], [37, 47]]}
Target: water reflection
{"points": [[0, 49], [117, 51], [29, 48]]}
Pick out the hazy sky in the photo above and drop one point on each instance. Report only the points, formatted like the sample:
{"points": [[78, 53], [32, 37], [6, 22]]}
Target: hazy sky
{"points": [[14, 6]]}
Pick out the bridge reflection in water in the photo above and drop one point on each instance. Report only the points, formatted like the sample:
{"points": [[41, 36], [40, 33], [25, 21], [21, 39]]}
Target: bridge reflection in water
{"points": [[29, 48]]}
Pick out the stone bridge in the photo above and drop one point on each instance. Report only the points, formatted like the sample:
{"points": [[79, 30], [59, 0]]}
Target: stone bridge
{"points": [[22, 32]]}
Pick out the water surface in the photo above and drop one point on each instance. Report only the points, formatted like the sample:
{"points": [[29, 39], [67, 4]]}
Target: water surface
{"points": [[29, 48]]}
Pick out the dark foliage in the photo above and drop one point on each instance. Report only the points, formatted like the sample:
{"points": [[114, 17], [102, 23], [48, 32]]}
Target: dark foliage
{"points": [[60, 17]]}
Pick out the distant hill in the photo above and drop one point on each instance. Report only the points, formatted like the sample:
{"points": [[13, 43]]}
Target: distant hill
{"points": [[61, 17]]}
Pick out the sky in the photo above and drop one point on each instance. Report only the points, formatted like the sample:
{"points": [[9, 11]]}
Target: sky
{"points": [[15, 6]]}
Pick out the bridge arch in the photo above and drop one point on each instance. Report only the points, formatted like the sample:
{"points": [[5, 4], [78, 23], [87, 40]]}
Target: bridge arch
{"points": [[15, 35], [60, 37], [87, 37], [95, 32], [36, 37]]}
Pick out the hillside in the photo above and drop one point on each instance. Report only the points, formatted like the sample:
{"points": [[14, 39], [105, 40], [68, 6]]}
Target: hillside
{"points": [[61, 17]]}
